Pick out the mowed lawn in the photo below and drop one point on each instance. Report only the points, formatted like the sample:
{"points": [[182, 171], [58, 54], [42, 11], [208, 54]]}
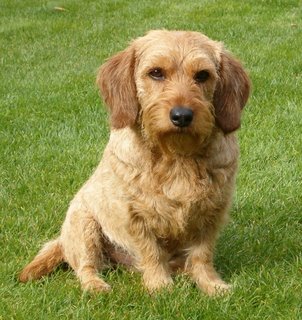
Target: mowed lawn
{"points": [[53, 129]]}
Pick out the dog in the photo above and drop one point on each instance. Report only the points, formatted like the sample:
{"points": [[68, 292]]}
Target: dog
{"points": [[164, 186]]}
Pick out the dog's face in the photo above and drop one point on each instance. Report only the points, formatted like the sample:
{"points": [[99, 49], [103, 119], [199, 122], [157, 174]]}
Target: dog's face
{"points": [[177, 86]]}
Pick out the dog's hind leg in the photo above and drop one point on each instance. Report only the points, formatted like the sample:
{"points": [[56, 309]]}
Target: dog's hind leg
{"points": [[82, 246]]}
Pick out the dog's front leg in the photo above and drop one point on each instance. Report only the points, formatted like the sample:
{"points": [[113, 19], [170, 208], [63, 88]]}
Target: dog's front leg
{"points": [[152, 260], [200, 266]]}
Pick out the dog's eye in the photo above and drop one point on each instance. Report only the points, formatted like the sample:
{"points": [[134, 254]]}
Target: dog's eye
{"points": [[201, 76], [156, 74]]}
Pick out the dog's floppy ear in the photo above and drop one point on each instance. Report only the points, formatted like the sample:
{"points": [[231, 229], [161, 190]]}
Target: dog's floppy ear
{"points": [[231, 93], [116, 83]]}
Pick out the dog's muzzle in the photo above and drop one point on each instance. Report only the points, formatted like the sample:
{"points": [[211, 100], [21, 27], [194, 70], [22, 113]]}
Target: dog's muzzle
{"points": [[181, 116]]}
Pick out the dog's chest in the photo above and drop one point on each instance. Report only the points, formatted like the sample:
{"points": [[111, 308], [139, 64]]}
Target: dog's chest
{"points": [[176, 202], [183, 180]]}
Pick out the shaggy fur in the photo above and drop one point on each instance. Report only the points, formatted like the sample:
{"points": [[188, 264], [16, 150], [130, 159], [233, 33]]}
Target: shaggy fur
{"points": [[161, 192]]}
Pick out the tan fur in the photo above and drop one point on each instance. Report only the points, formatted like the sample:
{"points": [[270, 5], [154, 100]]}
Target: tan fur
{"points": [[45, 261], [161, 193]]}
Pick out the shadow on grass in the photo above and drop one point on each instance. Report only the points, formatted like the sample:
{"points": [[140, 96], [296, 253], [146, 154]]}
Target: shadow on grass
{"points": [[266, 238]]}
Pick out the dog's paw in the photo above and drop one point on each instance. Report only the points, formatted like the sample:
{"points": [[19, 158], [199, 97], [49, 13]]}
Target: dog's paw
{"points": [[214, 288], [157, 282], [96, 286]]}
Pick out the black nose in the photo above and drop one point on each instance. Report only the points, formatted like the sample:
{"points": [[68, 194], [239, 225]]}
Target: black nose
{"points": [[181, 116]]}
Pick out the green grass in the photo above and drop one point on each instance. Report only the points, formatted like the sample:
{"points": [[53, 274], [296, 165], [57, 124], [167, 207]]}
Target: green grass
{"points": [[53, 131]]}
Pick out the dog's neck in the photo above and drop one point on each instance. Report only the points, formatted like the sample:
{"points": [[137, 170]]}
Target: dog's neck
{"points": [[176, 176]]}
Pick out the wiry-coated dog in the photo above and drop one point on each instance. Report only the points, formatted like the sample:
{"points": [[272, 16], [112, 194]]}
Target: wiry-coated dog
{"points": [[164, 186]]}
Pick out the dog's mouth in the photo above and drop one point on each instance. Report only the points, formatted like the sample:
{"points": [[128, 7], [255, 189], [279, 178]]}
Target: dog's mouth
{"points": [[177, 140], [181, 141], [179, 131]]}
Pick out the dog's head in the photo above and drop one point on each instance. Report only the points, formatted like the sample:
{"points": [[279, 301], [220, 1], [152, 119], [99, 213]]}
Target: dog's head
{"points": [[177, 86]]}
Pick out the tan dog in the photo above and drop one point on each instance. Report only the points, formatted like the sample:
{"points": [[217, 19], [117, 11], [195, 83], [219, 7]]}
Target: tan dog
{"points": [[164, 186]]}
